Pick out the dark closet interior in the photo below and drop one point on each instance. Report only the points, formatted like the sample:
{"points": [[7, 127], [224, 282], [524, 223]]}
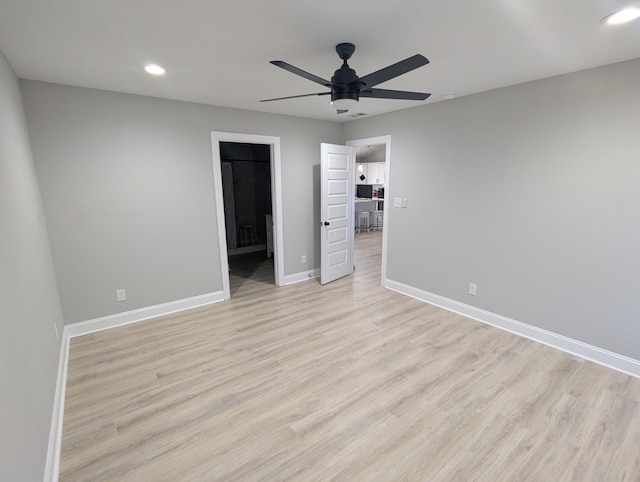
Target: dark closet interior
{"points": [[246, 182]]}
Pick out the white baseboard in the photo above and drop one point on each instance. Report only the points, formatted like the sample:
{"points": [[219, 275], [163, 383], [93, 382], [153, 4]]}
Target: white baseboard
{"points": [[302, 276], [592, 353], [133, 316], [52, 467]]}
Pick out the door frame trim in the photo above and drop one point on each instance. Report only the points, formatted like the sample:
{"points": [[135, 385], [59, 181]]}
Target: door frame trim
{"points": [[386, 140], [276, 202]]}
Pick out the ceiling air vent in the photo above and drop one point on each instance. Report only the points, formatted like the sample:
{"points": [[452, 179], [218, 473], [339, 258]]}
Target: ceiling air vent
{"points": [[359, 114]]}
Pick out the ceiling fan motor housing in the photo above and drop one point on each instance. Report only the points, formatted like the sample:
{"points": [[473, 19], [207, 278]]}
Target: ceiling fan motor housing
{"points": [[344, 83]]}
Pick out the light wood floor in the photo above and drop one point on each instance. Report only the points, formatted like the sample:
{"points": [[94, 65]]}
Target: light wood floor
{"points": [[343, 382]]}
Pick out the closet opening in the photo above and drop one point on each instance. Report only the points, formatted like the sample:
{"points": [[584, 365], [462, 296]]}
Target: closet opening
{"points": [[247, 197]]}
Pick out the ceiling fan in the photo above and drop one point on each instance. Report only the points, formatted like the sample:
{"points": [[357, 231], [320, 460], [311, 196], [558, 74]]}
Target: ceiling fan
{"points": [[347, 88]]}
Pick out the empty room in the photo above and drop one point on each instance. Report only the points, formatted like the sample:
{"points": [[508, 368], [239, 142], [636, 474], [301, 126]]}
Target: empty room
{"points": [[333, 241]]}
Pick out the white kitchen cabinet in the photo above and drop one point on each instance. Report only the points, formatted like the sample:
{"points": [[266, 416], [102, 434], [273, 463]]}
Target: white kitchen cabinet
{"points": [[375, 172]]}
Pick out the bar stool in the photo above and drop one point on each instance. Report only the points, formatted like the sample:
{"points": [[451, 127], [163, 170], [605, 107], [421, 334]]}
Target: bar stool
{"points": [[362, 221], [377, 219]]}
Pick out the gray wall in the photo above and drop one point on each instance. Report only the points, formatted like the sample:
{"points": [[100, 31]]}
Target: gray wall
{"points": [[127, 187], [533, 193], [29, 307]]}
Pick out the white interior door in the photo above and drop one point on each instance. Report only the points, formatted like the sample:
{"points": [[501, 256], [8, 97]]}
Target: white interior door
{"points": [[336, 212]]}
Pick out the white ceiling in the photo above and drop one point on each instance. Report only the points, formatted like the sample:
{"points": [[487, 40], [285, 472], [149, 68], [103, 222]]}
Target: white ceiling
{"points": [[374, 153], [218, 52]]}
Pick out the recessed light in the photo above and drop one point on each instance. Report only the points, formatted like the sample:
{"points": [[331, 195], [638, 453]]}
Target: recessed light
{"points": [[623, 16], [154, 69]]}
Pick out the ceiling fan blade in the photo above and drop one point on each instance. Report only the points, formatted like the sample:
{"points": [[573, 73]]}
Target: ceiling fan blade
{"points": [[394, 94], [392, 71], [342, 111], [295, 96], [301, 73]]}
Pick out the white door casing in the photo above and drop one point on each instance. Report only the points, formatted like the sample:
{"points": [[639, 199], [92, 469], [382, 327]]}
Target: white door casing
{"points": [[336, 212]]}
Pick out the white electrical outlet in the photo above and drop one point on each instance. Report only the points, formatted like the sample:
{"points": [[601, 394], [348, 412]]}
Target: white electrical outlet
{"points": [[473, 288], [397, 202], [304, 259], [121, 295]]}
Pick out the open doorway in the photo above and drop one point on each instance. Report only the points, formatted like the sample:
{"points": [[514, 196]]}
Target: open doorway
{"points": [[246, 172], [372, 160], [246, 189]]}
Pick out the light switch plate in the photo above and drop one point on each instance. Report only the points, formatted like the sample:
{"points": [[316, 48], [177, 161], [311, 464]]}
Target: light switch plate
{"points": [[397, 202]]}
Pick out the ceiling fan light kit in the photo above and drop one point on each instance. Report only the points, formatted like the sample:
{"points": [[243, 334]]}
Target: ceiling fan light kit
{"points": [[345, 103], [347, 88]]}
